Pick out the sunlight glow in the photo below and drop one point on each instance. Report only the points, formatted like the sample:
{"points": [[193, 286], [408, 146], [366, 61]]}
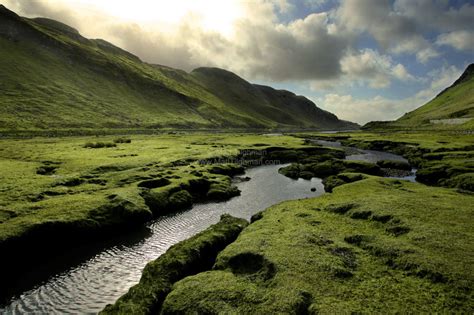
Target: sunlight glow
{"points": [[214, 15]]}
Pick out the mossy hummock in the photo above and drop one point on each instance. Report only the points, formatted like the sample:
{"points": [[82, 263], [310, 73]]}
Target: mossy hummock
{"points": [[373, 246], [186, 258]]}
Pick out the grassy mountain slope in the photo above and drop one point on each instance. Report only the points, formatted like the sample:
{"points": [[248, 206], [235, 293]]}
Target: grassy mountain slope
{"points": [[266, 103], [53, 78], [453, 108]]}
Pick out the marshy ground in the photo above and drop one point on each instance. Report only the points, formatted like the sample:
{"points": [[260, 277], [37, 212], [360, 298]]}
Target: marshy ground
{"points": [[372, 244]]}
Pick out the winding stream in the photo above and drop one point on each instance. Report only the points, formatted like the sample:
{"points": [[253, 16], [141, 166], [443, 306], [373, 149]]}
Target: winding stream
{"points": [[100, 280], [90, 284]]}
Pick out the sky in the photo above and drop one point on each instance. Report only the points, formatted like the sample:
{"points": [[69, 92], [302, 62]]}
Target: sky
{"points": [[363, 60]]}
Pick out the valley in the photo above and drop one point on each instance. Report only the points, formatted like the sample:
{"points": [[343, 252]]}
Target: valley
{"points": [[131, 187]]}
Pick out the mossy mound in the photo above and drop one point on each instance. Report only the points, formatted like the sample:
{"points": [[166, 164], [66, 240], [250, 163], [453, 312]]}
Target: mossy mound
{"points": [[334, 181], [372, 246], [188, 257], [328, 168], [222, 191], [280, 155], [439, 158], [171, 198], [119, 210], [227, 169], [463, 181], [398, 165]]}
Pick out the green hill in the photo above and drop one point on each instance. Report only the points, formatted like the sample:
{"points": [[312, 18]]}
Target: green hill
{"points": [[53, 78], [453, 108]]}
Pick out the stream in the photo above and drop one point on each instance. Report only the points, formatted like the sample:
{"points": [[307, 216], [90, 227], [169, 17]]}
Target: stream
{"points": [[90, 283]]}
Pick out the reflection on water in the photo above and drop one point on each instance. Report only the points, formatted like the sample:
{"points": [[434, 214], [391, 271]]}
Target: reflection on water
{"points": [[89, 286]]}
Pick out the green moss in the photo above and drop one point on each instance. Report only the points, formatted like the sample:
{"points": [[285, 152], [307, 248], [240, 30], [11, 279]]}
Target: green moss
{"points": [[145, 172], [222, 190], [328, 168], [119, 210], [292, 171], [334, 181], [464, 182], [188, 257], [399, 165], [438, 156], [180, 200], [227, 169], [388, 251]]}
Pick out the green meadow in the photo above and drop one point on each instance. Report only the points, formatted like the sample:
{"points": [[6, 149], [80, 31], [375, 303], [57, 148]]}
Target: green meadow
{"points": [[372, 244], [81, 180]]}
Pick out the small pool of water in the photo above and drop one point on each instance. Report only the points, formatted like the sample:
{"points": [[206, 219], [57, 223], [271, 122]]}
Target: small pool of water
{"points": [[90, 285], [370, 156]]}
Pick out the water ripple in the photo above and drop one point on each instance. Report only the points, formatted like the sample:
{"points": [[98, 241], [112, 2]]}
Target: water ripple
{"points": [[100, 280]]}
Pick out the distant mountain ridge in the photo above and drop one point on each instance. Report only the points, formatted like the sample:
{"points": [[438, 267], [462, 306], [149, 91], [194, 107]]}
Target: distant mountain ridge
{"points": [[53, 78], [452, 108]]}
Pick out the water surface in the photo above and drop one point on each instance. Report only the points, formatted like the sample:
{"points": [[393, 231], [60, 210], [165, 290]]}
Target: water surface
{"points": [[92, 284], [87, 286]]}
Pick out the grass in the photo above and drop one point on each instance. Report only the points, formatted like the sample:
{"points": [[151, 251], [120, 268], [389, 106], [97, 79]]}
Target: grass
{"points": [[442, 158], [370, 246], [97, 145], [188, 257], [454, 102], [112, 89], [59, 179], [56, 194]]}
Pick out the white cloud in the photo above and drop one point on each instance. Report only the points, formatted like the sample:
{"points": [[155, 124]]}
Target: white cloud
{"points": [[461, 40], [395, 32], [440, 79], [365, 67], [398, 26], [400, 72], [363, 110], [369, 66], [247, 37], [257, 46]]}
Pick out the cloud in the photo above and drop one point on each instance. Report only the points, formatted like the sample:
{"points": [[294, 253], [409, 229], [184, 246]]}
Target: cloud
{"points": [[327, 50], [438, 15], [394, 32], [460, 40], [363, 110], [304, 49], [314, 4], [259, 47], [370, 66], [366, 67], [398, 26]]}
